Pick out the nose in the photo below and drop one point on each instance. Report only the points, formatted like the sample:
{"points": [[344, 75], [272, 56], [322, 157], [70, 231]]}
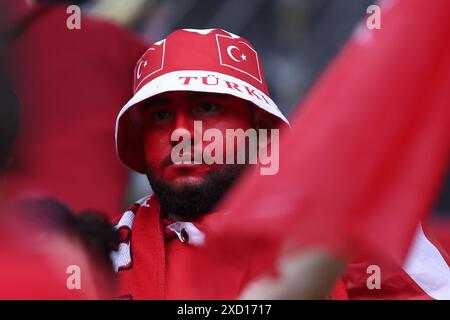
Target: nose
{"points": [[183, 121], [184, 125]]}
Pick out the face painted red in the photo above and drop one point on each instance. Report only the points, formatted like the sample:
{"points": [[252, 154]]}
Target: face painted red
{"points": [[178, 110]]}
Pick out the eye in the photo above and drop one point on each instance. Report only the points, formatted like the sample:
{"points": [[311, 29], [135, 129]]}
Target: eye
{"points": [[162, 115], [207, 108]]}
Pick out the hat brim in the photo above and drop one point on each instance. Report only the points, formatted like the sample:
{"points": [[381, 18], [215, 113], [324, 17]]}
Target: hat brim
{"points": [[129, 144]]}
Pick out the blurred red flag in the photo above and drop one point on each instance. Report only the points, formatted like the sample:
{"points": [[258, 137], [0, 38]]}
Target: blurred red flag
{"points": [[366, 154], [70, 86]]}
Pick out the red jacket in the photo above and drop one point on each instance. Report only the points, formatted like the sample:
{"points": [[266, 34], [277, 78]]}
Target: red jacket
{"points": [[71, 85], [154, 262]]}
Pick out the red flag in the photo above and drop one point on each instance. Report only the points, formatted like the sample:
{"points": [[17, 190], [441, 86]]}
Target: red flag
{"points": [[365, 157]]}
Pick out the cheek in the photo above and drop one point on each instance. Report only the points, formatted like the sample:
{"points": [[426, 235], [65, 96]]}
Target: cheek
{"points": [[156, 148], [232, 123], [235, 119]]}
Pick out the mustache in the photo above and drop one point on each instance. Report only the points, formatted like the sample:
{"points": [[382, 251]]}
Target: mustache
{"points": [[167, 161]]}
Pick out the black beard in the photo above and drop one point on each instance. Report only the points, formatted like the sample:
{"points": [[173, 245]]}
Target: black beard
{"points": [[188, 202]]}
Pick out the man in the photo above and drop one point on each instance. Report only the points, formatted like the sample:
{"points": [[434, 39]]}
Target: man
{"points": [[195, 81], [190, 84]]}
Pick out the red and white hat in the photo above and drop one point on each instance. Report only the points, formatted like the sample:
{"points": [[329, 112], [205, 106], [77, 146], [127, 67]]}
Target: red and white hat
{"points": [[204, 60]]}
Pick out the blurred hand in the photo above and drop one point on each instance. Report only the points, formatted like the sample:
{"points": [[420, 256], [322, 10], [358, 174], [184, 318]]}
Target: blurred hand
{"points": [[306, 275]]}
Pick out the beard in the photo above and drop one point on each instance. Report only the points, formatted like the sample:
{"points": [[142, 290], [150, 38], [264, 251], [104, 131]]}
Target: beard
{"points": [[189, 201]]}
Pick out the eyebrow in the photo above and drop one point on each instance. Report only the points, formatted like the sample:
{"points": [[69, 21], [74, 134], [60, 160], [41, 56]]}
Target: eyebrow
{"points": [[155, 101], [201, 95], [189, 95]]}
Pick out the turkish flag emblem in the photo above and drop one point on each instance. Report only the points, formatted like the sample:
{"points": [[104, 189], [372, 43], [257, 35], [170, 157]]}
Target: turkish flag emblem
{"points": [[151, 62], [238, 55]]}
